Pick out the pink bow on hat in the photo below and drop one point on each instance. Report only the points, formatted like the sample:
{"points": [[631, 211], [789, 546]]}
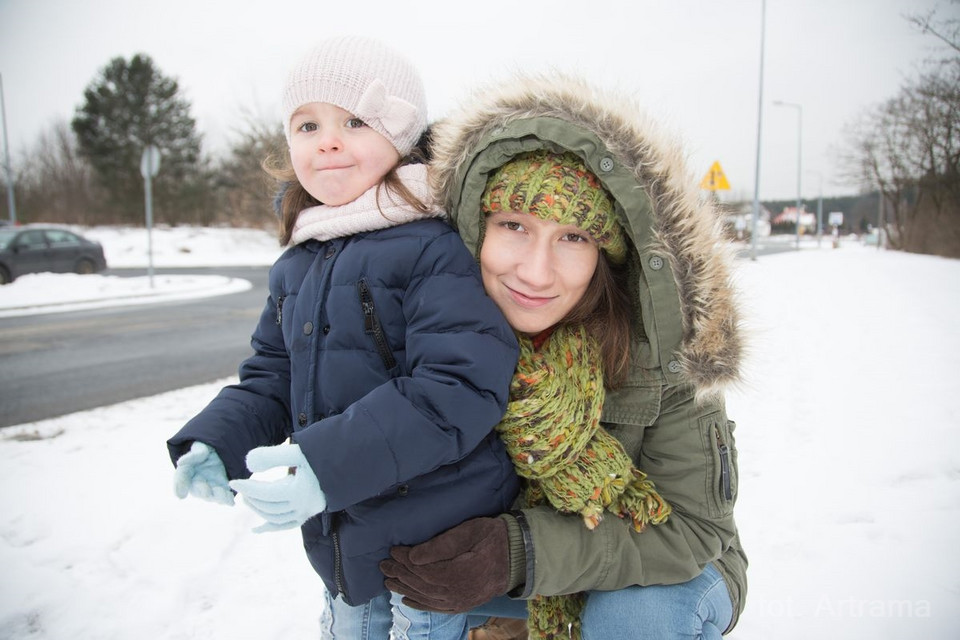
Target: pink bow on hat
{"points": [[393, 114]]}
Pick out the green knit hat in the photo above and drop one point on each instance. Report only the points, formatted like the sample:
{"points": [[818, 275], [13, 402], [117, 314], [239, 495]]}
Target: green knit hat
{"points": [[558, 187]]}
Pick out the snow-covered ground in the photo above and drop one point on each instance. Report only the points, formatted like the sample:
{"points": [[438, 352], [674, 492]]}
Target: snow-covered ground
{"points": [[849, 488]]}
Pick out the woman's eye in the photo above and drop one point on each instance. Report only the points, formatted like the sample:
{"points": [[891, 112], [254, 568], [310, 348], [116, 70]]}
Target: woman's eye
{"points": [[575, 237], [355, 123], [511, 225]]}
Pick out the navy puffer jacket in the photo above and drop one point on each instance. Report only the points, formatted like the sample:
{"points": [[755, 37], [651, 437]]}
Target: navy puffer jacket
{"points": [[382, 357]]}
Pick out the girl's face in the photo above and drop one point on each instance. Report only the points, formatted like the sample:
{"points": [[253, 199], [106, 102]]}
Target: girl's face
{"points": [[335, 155], [535, 270]]}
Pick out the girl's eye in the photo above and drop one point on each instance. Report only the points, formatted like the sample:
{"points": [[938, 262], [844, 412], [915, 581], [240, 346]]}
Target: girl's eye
{"points": [[307, 127], [575, 237], [355, 123], [511, 225]]}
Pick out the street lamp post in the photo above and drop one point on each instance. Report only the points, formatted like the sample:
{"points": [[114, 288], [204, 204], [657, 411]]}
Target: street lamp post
{"points": [[799, 109], [11, 199], [756, 172]]}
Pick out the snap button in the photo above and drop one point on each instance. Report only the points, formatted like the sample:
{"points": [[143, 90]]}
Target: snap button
{"points": [[673, 366], [656, 263], [307, 328], [302, 419], [403, 490], [326, 329], [606, 164]]}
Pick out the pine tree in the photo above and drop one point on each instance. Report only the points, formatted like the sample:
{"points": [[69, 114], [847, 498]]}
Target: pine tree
{"points": [[128, 106]]}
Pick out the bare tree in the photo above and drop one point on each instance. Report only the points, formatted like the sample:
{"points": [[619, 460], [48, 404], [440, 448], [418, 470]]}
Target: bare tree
{"points": [[947, 30], [935, 124], [908, 148], [246, 189], [55, 182]]}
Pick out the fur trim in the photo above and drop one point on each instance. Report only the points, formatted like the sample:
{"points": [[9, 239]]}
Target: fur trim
{"points": [[684, 229]]}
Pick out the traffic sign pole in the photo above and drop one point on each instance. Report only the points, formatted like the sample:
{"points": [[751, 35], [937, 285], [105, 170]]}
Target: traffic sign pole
{"points": [[149, 167]]}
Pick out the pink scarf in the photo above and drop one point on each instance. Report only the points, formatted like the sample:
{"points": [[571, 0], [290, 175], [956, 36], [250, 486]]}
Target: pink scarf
{"points": [[324, 223]]}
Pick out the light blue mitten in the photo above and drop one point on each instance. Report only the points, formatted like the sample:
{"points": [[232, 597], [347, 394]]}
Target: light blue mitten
{"points": [[285, 503], [200, 473]]}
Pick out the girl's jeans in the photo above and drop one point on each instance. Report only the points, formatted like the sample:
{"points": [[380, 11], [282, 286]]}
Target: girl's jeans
{"points": [[700, 608], [376, 619]]}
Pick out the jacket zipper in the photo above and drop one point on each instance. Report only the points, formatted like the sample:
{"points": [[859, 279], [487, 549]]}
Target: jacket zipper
{"points": [[338, 559], [280, 309], [724, 450], [371, 325]]}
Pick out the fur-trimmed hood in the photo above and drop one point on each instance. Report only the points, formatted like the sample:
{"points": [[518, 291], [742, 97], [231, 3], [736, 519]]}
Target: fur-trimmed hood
{"points": [[687, 303]]}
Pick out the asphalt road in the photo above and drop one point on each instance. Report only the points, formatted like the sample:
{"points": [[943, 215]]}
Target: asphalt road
{"points": [[55, 364], [59, 363]]}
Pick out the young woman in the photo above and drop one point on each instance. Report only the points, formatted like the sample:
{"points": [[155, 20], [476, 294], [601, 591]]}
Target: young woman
{"points": [[664, 368]]}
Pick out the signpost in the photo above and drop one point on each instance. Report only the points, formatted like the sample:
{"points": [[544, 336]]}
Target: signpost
{"points": [[149, 167]]}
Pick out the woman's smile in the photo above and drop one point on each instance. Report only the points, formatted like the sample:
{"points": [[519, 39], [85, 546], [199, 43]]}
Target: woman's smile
{"points": [[526, 300]]}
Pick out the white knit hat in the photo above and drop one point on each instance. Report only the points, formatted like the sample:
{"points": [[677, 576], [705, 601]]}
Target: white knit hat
{"points": [[366, 78]]}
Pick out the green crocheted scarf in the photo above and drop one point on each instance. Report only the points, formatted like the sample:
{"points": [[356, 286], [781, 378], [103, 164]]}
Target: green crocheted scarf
{"points": [[552, 431]]}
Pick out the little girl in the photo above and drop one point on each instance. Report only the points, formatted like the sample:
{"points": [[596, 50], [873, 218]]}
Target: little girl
{"points": [[378, 353]]}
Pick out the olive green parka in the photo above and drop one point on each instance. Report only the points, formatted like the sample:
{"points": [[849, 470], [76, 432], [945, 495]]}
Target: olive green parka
{"points": [[670, 414]]}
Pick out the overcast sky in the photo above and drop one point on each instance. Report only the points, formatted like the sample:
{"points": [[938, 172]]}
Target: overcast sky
{"points": [[693, 64]]}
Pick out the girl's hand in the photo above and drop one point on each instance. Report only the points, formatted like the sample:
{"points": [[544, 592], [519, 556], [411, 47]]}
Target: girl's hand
{"points": [[201, 473], [285, 503]]}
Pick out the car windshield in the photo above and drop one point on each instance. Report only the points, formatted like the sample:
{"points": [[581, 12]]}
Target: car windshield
{"points": [[6, 235]]}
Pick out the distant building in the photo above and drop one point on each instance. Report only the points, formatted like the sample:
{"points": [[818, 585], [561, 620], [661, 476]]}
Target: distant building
{"points": [[808, 221], [738, 221]]}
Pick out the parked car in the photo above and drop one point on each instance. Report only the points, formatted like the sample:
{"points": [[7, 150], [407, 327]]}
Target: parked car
{"points": [[35, 249]]}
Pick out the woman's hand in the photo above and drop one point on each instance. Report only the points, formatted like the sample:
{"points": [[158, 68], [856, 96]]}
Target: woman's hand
{"points": [[454, 572]]}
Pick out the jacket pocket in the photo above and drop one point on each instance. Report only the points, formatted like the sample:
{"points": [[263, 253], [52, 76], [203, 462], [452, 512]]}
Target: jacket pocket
{"points": [[627, 412], [372, 326], [716, 433]]}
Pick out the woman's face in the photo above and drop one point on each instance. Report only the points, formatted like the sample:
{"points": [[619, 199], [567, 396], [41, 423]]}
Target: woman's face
{"points": [[535, 270]]}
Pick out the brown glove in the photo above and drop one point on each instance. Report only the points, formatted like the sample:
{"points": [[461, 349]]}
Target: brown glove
{"points": [[454, 572]]}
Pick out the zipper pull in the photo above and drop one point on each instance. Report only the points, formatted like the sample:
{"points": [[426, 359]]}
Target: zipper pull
{"points": [[368, 318], [280, 310], [724, 450], [366, 305]]}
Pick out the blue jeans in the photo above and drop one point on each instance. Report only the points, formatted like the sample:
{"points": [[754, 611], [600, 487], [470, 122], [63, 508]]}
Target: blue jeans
{"points": [[700, 608], [376, 619]]}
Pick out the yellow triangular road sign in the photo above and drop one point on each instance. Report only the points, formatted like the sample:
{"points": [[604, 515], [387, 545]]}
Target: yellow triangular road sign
{"points": [[715, 180]]}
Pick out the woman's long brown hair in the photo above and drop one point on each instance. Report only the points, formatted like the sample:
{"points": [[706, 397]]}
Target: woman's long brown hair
{"points": [[605, 311]]}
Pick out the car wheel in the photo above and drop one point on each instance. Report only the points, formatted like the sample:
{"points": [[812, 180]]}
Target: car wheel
{"points": [[5, 276], [85, 267]]}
